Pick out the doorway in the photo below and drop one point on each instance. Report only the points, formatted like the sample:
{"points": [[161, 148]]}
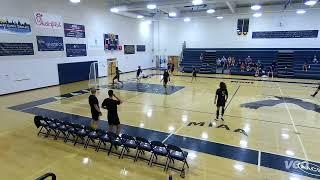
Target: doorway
{"points": [[174, 60], [112, 64]]}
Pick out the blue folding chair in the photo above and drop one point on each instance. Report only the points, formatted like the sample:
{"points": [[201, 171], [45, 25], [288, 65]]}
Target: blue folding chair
{"points": [[42, 123], [71, 131], [103, 139], [115, 142], [93, 135], [158, 149], [176, 153], [80, 133], [128, 142], [53, 127], [143, 145], [62, 129]]}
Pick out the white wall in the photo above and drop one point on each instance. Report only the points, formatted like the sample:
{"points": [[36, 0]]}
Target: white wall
{"points": [[41, 69], [213, 33]]}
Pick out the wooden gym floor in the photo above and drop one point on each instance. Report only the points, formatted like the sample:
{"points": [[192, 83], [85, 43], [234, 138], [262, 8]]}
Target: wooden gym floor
{"points": [[278, 120]]}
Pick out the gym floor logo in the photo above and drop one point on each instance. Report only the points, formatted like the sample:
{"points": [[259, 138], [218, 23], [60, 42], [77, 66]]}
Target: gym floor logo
{"points": [[305, 166], [214, 125], [279, 100]]}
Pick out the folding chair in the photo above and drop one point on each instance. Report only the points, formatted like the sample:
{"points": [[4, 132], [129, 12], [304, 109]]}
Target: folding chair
{"points": [[53, 126], [92, 136], [176, 153], [71, 131], [103, 139], [143, 145], [115, 141], [80, 133], [128, 142], [42, 122], [158, 149], [62, 129]]}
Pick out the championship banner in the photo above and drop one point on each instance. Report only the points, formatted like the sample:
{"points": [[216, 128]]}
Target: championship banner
{"points": [[76, 50], [111, 41], [50, 43], [15, 25], [74, 30], [16, 49], [285, 34], [49, 21]]}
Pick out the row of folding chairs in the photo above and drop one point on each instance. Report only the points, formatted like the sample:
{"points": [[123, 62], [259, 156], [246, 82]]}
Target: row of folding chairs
{"points": [[99, 139]]}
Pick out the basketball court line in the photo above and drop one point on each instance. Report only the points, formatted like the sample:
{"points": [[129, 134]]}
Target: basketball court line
{"points": [[293, 124]]}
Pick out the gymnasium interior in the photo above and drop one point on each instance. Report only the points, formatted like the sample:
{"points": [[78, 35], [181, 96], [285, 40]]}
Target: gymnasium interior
{"points": [[54, 53]]}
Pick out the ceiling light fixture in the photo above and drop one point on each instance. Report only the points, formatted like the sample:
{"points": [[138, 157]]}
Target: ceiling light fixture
{"points": [[210, 11], [172, 14], [310, 2], [75, 1], [140, 16], [219, 17], [151, 6], [114, 10], [256, 7], [301, 11], [257, 15], [197, 2], [186, 19]]}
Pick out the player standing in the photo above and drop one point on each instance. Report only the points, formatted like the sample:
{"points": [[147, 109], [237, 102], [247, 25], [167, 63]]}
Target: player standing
{"points": [[220, 99], [194, 74], [139, 71], [165, 79], [112, 106]]}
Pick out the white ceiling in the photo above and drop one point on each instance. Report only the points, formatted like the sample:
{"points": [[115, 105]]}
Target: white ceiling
{"points": [[185, 7]]}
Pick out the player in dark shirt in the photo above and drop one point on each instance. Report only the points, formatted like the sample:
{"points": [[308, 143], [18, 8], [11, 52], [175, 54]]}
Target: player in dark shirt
{"points": [[194, 74], [139, 71], [111, 104], [221, 99], [94, 106], [315, 93], [117, 77], [172, 68], [165, 79]]}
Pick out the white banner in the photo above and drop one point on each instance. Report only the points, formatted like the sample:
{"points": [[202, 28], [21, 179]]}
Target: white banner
{"points": [[14, 25], [50, 21]]}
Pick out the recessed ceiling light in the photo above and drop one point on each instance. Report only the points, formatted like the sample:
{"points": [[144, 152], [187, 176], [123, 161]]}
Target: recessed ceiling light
{"points": [[151, 6], [257, 15], [210, 11], [310, 2], [75, 1], [256, 7], [197, 2], [140, 16], [172, 14], [114, 10], [301, 11], [186, 19], [219, 17]]}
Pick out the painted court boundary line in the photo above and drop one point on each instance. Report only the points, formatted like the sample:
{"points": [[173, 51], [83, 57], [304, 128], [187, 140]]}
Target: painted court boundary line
{"points": [[246, 155]]}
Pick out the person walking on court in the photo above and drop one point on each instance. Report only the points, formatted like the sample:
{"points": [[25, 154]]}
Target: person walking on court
{"points": [[117, 77], [165, 79], [139, 71], [220, 99], [194, 74], [111, 104], [172, 68], [315, 93], [95, 109]]}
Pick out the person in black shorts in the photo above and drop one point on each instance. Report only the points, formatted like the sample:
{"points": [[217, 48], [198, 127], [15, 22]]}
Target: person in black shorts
{"points": [[194, 74], [165, 79], [117, 77], [172, 68], [95, 109], [315, 93], [139, 71], [221, 99], [111, 104]]}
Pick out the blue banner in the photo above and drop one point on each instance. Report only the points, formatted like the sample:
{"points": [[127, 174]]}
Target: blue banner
{"points": [[75, 50], [50, 43], [74, 30], [16, 49], [285, 34]]}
